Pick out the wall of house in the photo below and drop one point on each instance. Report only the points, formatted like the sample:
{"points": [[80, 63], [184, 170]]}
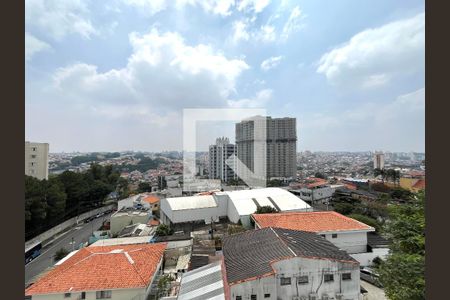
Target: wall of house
{"points": [[120, 222], [298, 266], [352, 242], [119, 294], [319, 193], [365, 259]]}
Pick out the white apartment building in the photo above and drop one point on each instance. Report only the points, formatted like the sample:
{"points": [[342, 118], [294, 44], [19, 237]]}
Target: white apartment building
{"points": [[218, 154], [276, 263], [36, 160]]}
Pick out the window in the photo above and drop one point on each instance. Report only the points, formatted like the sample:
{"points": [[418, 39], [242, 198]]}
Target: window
{"points": [[303, 279], [33, 156], [83, 295], [347, 276], [334, 235], [328, 277], [34, 148], [323, 235], [103, 295], [285, 281], [67, 295], [238, 297], [253, 297], [266, 295]]}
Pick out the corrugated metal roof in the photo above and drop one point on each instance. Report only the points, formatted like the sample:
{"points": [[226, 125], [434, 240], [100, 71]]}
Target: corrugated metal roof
{"points": [[192, 202], [285, 200], [203, 283]]}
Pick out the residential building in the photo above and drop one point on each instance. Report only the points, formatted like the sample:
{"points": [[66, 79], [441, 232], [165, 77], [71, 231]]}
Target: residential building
{"points": [[345, 233], [378, 160], [103, 272], [36, 160], [279, 144], [218, 155], [236, 205], [277, 263], [126, 217]]}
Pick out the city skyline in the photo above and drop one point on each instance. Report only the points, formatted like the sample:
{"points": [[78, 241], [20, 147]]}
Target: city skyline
{"points": [[116, 76]]}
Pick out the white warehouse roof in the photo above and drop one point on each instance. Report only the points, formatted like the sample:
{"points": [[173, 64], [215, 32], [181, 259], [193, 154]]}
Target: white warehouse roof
{"points": [[246, 201], [192, 202]]}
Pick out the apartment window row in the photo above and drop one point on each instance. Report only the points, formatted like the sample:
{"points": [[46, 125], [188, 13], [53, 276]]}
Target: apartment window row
{"points": [[69, 295], [304, 279]]}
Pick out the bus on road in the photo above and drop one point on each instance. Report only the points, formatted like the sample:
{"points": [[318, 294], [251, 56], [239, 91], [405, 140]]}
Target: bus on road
{"points": [[32, 251]]}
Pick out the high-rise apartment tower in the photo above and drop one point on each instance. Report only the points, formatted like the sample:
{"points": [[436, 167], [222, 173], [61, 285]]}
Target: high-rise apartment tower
{"points": [[218, 154], [277, 138]]}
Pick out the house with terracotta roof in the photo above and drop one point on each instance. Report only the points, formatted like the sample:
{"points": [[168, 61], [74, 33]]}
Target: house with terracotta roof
{"points": [[345, 233], [103, 272], [151, 202], [277, 263]]}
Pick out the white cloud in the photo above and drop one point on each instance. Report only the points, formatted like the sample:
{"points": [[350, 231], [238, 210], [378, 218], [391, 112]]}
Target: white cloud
{"points": [[260, 100], [253, 5], [148, 7], [374, 56], [271, 63], [266, 34], [33, 45], [163, 73], [240, 31], [218, 7], [398, 125], [59, 18], [292, 24]]}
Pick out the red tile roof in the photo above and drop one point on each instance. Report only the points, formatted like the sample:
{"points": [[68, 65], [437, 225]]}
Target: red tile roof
{"points": [[153, 222], [151, 199], [320, 221], [420, 184], [102, 268]]}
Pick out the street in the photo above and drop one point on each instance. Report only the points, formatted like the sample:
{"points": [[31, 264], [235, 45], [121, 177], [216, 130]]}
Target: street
{"points": [[80, 234]]}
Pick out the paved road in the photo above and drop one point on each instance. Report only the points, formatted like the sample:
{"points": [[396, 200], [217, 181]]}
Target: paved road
{"points": [[80, 234], [374, 293]]}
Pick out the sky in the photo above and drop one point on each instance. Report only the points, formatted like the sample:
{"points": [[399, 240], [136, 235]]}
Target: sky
{"points": [[116, 75]]}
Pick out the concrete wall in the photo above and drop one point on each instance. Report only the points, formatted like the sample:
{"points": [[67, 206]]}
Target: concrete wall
{"points": [[352, 242], [121, 221], [365, 259], [293, 268], [122, 294], [66, 224], [193, 215]]}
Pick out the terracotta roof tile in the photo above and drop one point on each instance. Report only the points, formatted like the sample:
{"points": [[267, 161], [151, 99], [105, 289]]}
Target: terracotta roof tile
{"points": [[420, 184], [151, 199], [320, 221], [102, 268]]}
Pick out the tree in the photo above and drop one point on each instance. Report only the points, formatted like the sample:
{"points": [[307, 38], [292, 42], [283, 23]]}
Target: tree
{"points": [[377, 172], [56, 200], [366, 220], [266, 209], [163, 230], [60, 254], [320, 175], [344, 208], [144, 187], [403, 272], [163, 285]]}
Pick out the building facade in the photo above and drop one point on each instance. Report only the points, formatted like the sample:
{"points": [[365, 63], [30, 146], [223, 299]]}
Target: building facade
{"points": [[36, 160], [278, 143], [275, 263], [378, 160], [218, 154]]}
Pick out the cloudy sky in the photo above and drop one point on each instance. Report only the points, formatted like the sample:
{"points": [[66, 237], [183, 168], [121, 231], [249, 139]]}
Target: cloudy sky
{"points": [[116, 75]]}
